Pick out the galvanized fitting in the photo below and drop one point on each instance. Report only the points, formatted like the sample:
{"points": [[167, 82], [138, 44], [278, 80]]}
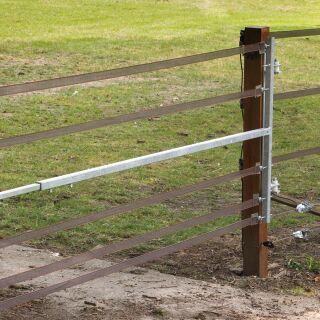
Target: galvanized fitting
{"points": [[258, 218], [262, 47], [261, 168], [258, 91], [304, 206], [277, 66], [275, 186]]}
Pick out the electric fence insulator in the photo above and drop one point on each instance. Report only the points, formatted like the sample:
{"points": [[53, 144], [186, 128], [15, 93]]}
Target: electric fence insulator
{"points": [[301, 234], [277, 66], [275, 186], [305, 206]]}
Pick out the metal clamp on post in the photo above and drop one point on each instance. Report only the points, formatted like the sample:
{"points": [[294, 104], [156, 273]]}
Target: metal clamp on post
{"points": [[266, 164], [262, 47], [244, 49], [261, 168], [257, 218], [276, 66], [258, 91]]}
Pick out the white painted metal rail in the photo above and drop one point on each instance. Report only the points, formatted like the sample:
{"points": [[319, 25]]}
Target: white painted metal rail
{"points": [[134, 163], [20, 190]]}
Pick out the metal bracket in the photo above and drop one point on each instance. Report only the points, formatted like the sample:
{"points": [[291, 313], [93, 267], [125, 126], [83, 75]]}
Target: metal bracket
{"points": [[257, 217], [261, 168], [277, 67], [262, 47], [261, 50], [258, 91]]}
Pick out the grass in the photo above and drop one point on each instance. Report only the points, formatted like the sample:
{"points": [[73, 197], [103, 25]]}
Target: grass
{"points": [[300, 291], [310, 264], [45, 39]]}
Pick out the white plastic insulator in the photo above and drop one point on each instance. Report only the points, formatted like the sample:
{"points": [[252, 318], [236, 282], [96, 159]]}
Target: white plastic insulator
{"points": [[277, 65], [275, 186], [300, 234], [305, 206]]}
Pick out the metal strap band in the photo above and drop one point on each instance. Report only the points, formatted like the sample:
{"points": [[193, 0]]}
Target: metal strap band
{"points": [[137, 204], [126, 71], [292, 202], [296, 94], [142, 114], [295, 33], [123, 245], [147, 257]]}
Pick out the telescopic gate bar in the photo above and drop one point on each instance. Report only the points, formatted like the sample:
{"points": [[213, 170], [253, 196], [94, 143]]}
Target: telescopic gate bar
{"points": [[139, 162]]}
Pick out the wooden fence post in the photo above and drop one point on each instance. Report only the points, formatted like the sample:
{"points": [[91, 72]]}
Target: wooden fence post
{"points": [[255, 255]]}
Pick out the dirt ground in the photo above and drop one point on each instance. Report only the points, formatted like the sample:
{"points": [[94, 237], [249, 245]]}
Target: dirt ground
{"points": [[220, 260], [203, 282]]}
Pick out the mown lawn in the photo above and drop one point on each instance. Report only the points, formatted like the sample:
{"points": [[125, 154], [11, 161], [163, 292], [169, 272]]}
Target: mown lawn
{"points": [[44, 39]]}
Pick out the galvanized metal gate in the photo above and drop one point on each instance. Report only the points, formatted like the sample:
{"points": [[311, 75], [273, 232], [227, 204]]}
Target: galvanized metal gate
{"points": [[261, 203]]}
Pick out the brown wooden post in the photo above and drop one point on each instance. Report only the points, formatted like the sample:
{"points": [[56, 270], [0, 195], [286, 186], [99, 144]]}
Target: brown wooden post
{"points": [[255, 255]]}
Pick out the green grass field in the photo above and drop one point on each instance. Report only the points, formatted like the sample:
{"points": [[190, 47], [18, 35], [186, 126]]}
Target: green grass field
{"points": [[45, 39]]}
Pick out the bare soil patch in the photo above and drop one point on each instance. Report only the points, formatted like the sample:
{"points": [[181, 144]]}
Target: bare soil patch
{"points": [[203, 284], [220, 260]]}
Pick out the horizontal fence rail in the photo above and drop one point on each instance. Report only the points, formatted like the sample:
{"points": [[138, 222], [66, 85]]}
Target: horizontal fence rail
{"points": [[125, 244], [134, 163], [145, 114], [36, 234], [296, 154], [297, 94], [147, 67], [295, 33], [141, 114], [158, 198], [126, 71], [147, 257], [78, 259], [134, 205]]}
